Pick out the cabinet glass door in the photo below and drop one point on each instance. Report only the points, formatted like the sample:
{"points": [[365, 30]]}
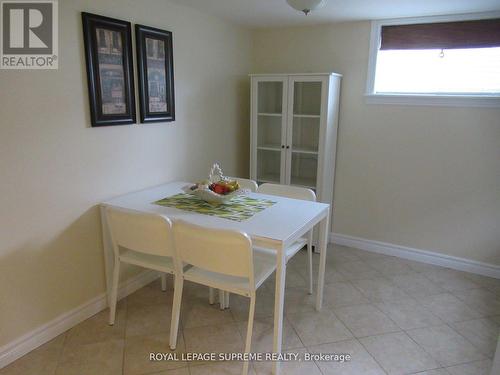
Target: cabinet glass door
{"points": [[303, 136], [270, 131]]}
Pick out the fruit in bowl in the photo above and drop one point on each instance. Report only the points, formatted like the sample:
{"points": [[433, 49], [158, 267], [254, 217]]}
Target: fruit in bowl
{"points": [[217, 189], [217, 192], [223, 187]]}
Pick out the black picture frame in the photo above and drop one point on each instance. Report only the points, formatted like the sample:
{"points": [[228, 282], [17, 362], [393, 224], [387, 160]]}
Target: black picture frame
{"points": [[155, 73], [110, 72]]}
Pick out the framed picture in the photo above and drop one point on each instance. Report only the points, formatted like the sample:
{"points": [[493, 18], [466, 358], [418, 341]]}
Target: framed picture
{"points": [[155, 74], [108, 53]]}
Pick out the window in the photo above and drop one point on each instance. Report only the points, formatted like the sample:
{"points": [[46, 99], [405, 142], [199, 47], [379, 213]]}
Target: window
{"points": [[436, 61]]}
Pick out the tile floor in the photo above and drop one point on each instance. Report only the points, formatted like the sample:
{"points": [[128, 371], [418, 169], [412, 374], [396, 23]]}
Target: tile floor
{"points": [[393, 316]]}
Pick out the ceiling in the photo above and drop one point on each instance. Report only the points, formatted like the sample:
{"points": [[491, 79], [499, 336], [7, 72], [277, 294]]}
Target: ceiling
{"points": [[276, 13]]}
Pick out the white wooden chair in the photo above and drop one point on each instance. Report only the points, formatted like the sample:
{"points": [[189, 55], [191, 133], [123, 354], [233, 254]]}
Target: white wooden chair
{"points": [[245, 183], [143, 240], [294, 192], [220, 259], [251, 185]]}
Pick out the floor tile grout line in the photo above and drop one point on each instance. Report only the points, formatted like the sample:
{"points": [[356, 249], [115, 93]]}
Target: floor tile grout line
{"points": [[448, 325], [351, 338], [466, 339], [359, 341], [421, 306], [468, 363], [471, 305], [423, 348], [388, 316], [345, 340], [352, 332], [375, 359], [449, 291], [416, 295], [478, 318], [294, 330], [318, 366], [381, 300]]}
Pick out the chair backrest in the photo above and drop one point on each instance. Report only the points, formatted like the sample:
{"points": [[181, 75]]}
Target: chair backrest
{"points": [[217, 250], [287, 191], [245, 183], [145, 233]]}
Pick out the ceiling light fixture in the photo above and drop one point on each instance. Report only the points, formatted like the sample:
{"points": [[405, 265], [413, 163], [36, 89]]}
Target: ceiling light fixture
{"points": [[306, 5]]}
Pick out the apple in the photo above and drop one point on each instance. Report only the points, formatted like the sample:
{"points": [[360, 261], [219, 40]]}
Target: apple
{"points": [[219, 189]]}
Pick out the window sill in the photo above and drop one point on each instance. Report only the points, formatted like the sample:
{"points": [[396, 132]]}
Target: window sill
{"points": [[435, 100]]}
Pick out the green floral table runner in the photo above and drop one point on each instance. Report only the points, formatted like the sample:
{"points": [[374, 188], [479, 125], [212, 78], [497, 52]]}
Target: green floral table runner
{"points": [[238, 209]]}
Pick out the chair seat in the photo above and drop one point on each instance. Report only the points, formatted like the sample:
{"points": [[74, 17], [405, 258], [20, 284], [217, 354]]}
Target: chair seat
{"points": [[155, 262], [264, 265], [289, 251]]}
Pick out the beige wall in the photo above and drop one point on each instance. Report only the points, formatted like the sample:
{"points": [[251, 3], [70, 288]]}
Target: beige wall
{"points": [[55, 169], [424, 177]]}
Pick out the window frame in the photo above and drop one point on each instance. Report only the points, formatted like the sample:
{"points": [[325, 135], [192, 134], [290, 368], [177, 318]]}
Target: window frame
{"points": [[444, 100]]}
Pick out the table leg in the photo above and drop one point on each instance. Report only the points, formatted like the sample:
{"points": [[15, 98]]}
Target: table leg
{"points": [[323, 243], [109, 258], [279, 298]]}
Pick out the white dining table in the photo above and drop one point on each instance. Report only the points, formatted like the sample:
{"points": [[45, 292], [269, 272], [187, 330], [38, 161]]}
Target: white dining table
{"points": [[275, 227]]}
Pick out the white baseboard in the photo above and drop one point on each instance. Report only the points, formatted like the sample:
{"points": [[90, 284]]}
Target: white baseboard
{"points": [[424, 256], [26, 343]]}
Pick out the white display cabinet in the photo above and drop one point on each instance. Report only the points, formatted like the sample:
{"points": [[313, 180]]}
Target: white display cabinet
{"points": [[294, 121]]}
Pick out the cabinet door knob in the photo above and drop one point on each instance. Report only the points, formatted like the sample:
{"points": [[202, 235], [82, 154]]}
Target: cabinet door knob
{"points": [[282, 146], [287, 146]]}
